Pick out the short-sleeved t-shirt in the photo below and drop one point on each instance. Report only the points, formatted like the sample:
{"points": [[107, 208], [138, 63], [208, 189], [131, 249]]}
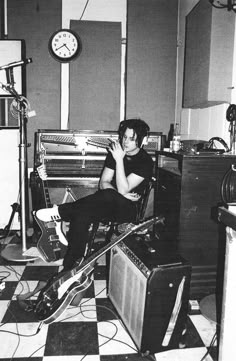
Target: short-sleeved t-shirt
{"points": [[140, 164]]}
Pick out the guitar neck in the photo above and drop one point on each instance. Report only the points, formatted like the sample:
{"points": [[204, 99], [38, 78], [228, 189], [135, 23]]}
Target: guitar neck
{"points": [[103, 250], [40, 173], [145, 225], [46, 194]]}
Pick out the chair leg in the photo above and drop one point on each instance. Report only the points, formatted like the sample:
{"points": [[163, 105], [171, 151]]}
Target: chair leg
{"points": [[111, 231], [91, 238]]}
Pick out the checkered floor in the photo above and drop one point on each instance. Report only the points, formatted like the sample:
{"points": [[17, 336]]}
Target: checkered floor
{"points": [[91, 331]]}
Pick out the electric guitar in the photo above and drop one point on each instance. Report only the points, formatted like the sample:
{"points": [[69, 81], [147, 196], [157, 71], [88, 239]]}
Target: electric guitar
{"points": [[62, 288], [52, 243]]}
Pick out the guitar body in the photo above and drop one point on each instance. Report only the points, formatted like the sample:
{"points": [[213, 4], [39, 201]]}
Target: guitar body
{"points": [[68, 287], [52, 301], [52, 243]]}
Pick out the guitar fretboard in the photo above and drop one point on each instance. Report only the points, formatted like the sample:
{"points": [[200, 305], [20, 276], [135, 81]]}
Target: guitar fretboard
{"points": [[46, 195]]}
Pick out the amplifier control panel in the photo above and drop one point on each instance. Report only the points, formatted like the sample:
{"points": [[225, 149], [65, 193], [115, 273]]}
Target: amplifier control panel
{"points": [[145, 253], [131, 255]]}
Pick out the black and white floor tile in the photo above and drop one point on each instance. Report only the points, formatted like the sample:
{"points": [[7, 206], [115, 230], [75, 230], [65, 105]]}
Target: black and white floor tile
{"points": [[91, 331]]}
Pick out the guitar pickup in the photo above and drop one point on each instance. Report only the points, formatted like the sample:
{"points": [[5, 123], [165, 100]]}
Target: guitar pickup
{"points": [[50, 224], [54, 238]]}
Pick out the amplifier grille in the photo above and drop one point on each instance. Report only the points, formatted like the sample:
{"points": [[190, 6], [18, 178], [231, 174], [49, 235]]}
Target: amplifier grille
{"points": [[130, 303], [152, 305], [154, 144]]}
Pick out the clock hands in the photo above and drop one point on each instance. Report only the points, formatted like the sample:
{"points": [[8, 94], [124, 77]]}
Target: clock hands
{"points": [[63, 45], [60, 47]]}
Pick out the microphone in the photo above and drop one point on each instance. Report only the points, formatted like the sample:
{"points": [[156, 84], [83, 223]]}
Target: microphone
{"points": [[16, 63]]}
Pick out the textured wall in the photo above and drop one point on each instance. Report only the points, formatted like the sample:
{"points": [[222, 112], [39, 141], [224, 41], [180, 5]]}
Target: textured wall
{"points": [[95, 77], [34, 21]]}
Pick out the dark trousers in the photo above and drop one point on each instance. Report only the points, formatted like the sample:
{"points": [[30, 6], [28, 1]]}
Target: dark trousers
{"points": [[104, 204]]}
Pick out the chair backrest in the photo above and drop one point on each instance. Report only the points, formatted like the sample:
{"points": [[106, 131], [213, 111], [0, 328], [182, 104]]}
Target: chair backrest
{"points": [[144, 200]]}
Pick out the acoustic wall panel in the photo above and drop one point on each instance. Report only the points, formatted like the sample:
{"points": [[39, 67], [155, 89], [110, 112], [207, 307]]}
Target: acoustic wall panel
{"points": [[95, 77], [151, 61], [35, 21]]}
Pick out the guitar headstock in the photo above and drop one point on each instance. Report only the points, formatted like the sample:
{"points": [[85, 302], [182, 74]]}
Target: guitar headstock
{"points": [[140, 228], [145, 225]]}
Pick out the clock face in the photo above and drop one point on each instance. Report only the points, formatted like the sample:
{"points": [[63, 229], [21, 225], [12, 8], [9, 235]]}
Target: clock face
{"points": [[64, 45]]}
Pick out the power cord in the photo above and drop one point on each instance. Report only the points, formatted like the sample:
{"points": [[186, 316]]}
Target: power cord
{"points": [[210, 346]]}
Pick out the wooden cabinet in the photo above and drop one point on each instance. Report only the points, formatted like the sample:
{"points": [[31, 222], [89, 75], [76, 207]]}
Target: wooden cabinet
{"points": [[209, 48], [187, 194]]}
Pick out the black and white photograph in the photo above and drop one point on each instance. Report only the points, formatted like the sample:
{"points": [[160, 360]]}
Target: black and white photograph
{"points": [[117, 180]]}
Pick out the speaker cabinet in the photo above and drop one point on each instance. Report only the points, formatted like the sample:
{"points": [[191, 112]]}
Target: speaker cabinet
{"points": [[150, 293]]}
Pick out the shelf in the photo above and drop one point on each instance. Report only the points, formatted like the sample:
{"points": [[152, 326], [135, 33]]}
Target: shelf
{"points": [[227, 217], [208, 56]]}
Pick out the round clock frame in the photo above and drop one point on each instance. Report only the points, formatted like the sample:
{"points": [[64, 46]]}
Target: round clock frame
{"points": [[65, 45]]}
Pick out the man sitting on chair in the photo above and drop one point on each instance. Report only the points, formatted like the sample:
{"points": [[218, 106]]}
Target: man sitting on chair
{"points": [[126, 171]]}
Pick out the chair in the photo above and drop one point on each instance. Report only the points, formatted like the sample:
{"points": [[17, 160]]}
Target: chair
{"points": [[113, 227]]}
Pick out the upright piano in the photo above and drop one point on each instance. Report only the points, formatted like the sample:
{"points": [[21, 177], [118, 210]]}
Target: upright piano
{"points": [[72, 162]]}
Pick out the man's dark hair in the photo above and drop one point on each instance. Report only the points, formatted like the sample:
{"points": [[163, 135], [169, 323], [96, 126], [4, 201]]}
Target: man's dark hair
{"points": [[140, 127]]}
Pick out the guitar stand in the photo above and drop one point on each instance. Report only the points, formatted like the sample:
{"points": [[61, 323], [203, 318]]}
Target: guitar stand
{"points": [[6, 230], [69, 193]]}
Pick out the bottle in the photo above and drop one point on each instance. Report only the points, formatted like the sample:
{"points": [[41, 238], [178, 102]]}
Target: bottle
{"points": [[170, 135], [176, 135], [175, 144]]}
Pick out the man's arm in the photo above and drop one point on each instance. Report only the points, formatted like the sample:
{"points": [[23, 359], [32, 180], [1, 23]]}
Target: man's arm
{"points": [[106, 178], [124, 184]]}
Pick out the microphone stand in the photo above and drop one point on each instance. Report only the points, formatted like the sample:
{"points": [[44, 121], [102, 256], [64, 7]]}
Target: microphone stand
{"points": [[15, 251]]}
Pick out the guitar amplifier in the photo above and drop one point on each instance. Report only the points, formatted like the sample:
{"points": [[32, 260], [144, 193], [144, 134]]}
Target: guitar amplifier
{"points": [[150, 293]]}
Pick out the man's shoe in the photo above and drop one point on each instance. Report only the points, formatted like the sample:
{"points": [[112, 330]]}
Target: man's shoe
{"points": [[48, 214]]}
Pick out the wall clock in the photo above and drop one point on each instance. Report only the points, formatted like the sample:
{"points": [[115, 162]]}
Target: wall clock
{"points": [[65, 45]]}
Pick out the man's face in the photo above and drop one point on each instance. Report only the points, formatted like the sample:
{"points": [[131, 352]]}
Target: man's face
{"points": [[129, 142]]}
